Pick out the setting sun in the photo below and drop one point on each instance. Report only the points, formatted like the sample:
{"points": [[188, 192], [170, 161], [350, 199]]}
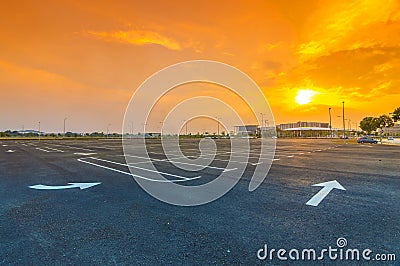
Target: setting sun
{"points": [[304, 96]]}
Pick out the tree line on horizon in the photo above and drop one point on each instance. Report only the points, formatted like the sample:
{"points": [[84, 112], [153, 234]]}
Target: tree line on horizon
{"points": [[16, 133], [370, 124]]}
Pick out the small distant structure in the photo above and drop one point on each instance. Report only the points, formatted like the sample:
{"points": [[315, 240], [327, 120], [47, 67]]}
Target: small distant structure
{"points": [[306, 129], [246, 130], [392, 131], [304, 125], [152, 135], [268, 132], [30, 131]]}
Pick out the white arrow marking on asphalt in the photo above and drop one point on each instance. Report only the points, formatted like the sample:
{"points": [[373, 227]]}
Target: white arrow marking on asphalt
{"points": [[10, 151], [70, 185], [327, 187]]}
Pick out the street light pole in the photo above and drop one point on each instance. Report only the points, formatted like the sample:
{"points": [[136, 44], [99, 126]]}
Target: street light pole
{"points": [[108, 130], [186, 122], [218, 118], [131, 130], [144, 128], [344, 125], [161, 127], [39, 130], [65, 119], [330, 121], [262, 120]]}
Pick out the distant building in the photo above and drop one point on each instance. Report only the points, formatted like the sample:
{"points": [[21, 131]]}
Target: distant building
{"points": [[150, 135], [246, 130], [306, 129], [304, 125], [30, 131], [268, 131], [392, 131]]}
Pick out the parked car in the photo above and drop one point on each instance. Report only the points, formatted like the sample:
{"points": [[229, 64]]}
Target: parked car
{"points": [[390, 138], [367, 140]]}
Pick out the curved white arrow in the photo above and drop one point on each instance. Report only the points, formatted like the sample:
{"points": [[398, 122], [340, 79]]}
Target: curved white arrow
{"points": [[70, 185], [327, 187]]}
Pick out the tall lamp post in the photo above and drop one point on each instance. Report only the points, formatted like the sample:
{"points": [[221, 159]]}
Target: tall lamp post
{"points": [[344, 125], [262, 123], [161, 127], [131, 130], [262, 119], [218, 118], [65, 119], [330, 121], [108, 126], [144, 129], [186, 125], [39, 130]]}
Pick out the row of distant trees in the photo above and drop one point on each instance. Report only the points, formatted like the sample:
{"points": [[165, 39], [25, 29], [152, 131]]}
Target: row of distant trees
{"points": [[370, 124], [9, 133]]}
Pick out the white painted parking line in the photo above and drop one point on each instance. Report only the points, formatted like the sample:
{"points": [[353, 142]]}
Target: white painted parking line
{"points": [[140, 168], [85, 154], [249, 157], [72, 147], [177, 162], [43, 150], [130, 174], [233, 161], [54, 149], [215, 159], [290, 156], [102, 147], [177, 156]]}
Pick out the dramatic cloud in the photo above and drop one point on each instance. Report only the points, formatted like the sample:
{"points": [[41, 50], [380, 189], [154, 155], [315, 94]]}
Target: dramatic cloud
{"points": [[137, 37]]}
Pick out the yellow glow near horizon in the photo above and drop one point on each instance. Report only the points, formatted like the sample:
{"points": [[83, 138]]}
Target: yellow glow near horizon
{"points": [[304, 96]]}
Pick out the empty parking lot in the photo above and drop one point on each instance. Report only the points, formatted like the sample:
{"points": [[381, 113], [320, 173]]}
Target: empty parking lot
{"points": [[116, 222]]}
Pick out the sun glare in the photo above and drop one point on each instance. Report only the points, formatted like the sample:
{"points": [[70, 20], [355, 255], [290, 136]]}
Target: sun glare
{"points": [[304, 96]]}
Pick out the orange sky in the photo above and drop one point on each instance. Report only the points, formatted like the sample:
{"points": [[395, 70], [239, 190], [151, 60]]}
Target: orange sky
{"points": [[84, 59]]}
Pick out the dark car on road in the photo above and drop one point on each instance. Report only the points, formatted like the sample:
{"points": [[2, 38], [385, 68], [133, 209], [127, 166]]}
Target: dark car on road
{"points": [[367, 140]]}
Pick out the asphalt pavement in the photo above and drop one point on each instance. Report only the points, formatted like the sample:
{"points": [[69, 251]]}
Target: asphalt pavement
{"points": [[115, 222]]}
